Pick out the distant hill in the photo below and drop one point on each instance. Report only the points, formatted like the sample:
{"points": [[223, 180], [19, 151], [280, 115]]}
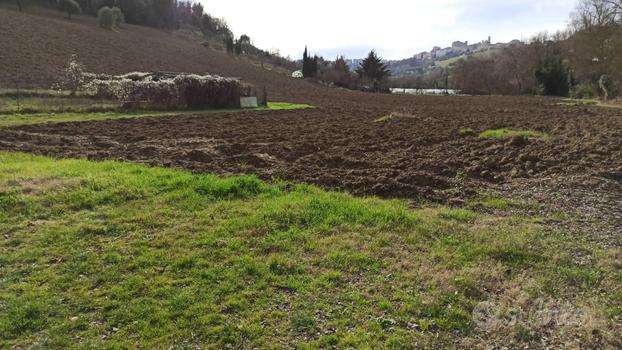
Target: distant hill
{"points": [[421, 63]]}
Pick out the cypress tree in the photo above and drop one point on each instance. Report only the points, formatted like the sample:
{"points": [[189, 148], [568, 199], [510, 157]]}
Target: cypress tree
{"points": [[305, 64]]}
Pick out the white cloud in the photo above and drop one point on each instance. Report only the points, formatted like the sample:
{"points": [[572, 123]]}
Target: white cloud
{"points": [[396, 28]]}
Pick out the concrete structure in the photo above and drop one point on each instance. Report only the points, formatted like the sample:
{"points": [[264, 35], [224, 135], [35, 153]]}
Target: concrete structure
{"points": [[249, 102]]}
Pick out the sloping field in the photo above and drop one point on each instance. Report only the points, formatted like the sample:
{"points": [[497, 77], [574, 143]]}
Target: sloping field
{"points": [[27, 53]]}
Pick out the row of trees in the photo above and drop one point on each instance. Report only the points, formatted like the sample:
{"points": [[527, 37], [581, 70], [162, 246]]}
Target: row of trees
{"points": [[309, 65], [583, 61], [371, 75]]}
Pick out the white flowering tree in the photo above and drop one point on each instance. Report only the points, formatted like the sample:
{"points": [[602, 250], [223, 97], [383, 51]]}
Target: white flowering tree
{"points": [[73, 76]]}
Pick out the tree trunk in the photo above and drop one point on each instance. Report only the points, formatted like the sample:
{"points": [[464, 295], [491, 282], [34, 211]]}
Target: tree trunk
{"points": [[19, 5], [603, 84]]}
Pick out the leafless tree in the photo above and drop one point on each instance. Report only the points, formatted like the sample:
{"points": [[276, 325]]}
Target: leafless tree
{"points": [[597, 13]]}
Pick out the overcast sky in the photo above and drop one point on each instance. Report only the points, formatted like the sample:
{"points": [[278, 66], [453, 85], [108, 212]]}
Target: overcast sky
{"points": [[395, 28]]}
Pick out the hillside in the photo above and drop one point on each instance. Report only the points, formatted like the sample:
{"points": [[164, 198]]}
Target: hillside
{"points": [[36, 47]]}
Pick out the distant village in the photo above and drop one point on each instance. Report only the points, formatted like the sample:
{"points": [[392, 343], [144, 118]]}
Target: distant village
{"points": [[418, 63], [459, 48]]}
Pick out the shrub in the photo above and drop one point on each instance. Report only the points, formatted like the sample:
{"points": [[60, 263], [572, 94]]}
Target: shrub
{"points": [[117, 17], [584, 90], [69, 6], [181, 91], [105, 17], [73, 77]]}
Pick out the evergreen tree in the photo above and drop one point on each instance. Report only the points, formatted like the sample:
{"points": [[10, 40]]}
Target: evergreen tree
{"points": [[306, 69], [552, 77], [309, 65], [373, 71]]}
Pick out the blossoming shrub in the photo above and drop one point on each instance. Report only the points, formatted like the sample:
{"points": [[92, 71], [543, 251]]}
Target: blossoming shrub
{"points": [[72, 77], [171, 92]]}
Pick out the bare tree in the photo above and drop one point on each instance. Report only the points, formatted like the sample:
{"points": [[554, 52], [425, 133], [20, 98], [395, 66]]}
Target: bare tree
{"points": [[596, 45], [597, 13]]}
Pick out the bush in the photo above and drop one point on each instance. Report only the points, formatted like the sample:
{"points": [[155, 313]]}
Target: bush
{"points": [[181, 91], [584, 90], [117, 17], [73, 77], [69, 6], [105, 17]]}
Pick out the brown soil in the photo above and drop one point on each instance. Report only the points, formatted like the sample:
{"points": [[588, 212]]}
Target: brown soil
{"points": [[420, 152]]}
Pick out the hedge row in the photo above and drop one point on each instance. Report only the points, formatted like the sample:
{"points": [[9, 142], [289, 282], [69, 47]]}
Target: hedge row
{"points": [[182, 91]]}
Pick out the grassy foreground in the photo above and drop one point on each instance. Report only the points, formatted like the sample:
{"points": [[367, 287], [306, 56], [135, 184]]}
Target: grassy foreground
{"points": [[16, 119], [116, 255]]}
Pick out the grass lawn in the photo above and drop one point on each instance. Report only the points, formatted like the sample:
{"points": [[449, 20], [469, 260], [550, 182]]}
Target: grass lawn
{"points": [[117, 255], [37, 118], [506, 133]]}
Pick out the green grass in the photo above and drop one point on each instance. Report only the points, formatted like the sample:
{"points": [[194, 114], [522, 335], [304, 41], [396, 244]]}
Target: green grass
{"points": [[466, 131], [37, 118], [385, 118], [451, 61], [448, 62], [118, 255], [285, 105], [506, 133], [55, 104], [12, 92], [491, 201]]}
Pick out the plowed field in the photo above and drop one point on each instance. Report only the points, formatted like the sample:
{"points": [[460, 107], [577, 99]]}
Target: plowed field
{"points": [[420, 150]]}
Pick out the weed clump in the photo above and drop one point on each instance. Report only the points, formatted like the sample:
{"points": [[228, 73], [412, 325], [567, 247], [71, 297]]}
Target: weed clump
{"points": [[508, 133]]}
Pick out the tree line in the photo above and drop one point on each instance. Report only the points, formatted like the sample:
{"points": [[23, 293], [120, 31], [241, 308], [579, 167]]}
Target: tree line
{"points": [[584, 61], [371, 75]]}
